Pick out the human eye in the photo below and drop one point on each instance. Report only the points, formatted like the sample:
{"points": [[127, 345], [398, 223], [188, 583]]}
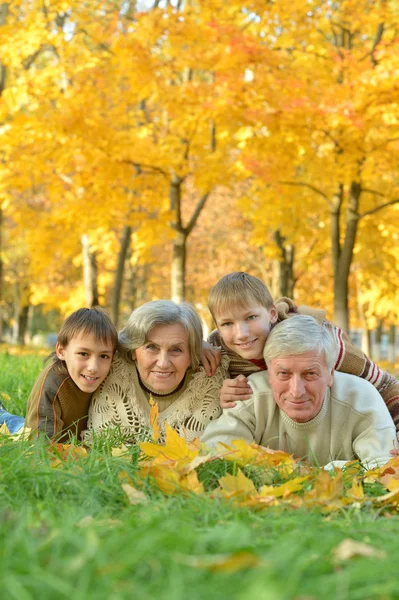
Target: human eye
{"points": [[283, 374], [105, 356], [226, 324], [82, 353], [151, 346], [252, 317], [311, 375], [176, 350]]}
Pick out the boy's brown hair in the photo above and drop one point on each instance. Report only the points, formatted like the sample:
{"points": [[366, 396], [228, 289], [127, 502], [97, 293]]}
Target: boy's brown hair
{"points": [[86, 321], [238, 289]]}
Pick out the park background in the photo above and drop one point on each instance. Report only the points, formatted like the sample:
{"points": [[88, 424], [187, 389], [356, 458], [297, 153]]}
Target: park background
{"points": [[150, 147], [147, 149]]}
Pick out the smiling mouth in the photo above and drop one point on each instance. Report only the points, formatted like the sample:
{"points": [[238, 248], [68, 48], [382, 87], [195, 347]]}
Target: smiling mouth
{"points": [[161, 374], [90, 379], [247, 344]]}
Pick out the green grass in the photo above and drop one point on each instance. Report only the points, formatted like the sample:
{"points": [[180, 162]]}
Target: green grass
{"points": [[69, 532]]}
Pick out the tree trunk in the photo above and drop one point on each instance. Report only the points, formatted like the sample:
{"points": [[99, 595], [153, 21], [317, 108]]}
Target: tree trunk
{"points": [[117, 290], [15, 327], [342, 255], [377, 344], [22, 324], [392, 344], [89, 273], [286, 265], [1, 277], [179, 267]]}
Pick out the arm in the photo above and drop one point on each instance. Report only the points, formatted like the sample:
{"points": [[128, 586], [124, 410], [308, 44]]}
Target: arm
{"points": [[44, 409], [235, 424], [353, 361], [374, 445], [210, 357], [234, 390]]}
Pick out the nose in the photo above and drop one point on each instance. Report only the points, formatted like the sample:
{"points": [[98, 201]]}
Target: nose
{"points": [[297, 386], [242, 330], [92, 366], [163, 360]]}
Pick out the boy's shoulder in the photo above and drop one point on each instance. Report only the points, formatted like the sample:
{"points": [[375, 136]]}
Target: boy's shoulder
{"points": [[51, 377]]}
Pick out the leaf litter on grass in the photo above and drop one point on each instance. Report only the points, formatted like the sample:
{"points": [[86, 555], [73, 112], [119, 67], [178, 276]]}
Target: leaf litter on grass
{"points": [[248, 475]]}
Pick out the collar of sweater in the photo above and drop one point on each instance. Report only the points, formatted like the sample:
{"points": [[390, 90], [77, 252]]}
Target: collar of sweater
{"points": [[313, 423], [154, 392]]}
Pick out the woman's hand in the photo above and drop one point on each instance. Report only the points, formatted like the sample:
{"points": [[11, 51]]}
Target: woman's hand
{"points": [[233, 390], [210, 358]]}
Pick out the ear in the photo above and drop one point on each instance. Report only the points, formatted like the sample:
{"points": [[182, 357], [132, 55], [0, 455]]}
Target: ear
{"points": [[60, 351], [330, 378], [273, 314], [134, 355]]}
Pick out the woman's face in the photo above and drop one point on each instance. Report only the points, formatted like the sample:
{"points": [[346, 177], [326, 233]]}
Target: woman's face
{"points": [[164, 359]]}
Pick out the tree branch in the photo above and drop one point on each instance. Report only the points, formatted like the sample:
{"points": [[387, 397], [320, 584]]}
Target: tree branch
{"points": [[196, 213], [377, 208], [373, 192], [308, 185], [141, 166]]}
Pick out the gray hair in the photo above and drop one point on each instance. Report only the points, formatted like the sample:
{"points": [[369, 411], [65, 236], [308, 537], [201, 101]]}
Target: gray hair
{"points": [[158, 313], [298, 335]]}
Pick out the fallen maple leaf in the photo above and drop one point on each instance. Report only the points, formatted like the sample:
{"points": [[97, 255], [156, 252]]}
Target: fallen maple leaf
{"points": [[326, 488], [175, 447], [236, 485]]}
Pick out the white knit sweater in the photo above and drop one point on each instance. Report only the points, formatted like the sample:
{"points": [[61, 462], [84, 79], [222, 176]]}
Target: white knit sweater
{"points": [[121, 402]]}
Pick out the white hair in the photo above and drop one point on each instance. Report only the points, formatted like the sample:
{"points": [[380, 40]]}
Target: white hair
{"points": [[159, 313], [300, 334]]}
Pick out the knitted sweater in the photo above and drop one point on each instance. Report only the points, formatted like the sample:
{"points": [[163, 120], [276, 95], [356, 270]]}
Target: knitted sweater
{"points": [[350, 358], [56, 405], [122, 402], [353, 422]]}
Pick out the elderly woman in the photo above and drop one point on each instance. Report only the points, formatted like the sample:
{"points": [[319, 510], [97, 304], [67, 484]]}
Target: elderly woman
{"points": [[159, 356]]}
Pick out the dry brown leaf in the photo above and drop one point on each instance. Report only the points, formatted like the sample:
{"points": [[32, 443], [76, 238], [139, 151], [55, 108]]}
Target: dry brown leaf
{"points": [[134, 495], [348, 549]]}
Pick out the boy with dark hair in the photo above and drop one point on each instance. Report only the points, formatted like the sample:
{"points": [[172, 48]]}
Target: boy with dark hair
{"points": [[59, 401], [244, 313]]}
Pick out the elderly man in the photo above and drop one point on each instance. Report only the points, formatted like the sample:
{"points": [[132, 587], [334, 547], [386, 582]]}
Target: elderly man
{"points": [[301, 406]]}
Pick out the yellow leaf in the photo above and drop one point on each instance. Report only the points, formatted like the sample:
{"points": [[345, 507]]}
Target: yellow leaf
{"points": [[356, 490], [175, 447], [154, 413], [326, 488], [229, 563], [237, 485], [285, 489]]}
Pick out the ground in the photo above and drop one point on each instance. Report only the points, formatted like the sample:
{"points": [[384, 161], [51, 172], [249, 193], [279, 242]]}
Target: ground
{"points": [[68, 528]]}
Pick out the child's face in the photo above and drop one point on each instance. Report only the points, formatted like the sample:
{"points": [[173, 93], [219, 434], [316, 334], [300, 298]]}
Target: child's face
{"points": [[88, 360], [245, 330]]}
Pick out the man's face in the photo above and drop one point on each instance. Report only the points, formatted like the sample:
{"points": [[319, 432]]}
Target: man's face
{"points": [[245, 329], [299, 383], [88, 360]]}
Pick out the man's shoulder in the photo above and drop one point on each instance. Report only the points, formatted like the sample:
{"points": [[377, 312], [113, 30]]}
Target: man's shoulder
{"points": [[344, 381], [355, 392], [259, 382]]}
